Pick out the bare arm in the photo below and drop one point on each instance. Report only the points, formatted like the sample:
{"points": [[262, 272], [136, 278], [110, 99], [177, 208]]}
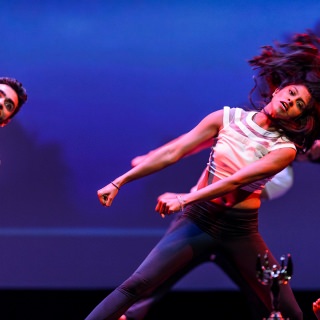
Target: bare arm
{"points": [[204, 145], [165, 155], [267, 166], [283, 181]]}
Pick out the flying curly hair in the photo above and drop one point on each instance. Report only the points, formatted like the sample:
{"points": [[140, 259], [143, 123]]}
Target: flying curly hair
{"points": [[295, 62]]}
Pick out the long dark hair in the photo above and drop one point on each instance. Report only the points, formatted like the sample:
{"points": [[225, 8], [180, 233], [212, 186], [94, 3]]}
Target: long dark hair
{"points": [[294, 62]]}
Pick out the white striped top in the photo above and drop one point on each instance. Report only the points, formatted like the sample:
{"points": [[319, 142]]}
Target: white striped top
{"points": [[240, 142]]}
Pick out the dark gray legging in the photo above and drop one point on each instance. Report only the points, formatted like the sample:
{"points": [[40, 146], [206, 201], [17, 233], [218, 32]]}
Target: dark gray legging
{"points": [[141, 308], [230, 234]]}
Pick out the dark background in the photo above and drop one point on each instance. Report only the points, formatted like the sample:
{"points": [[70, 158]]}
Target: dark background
{"points": [[110, 80]]}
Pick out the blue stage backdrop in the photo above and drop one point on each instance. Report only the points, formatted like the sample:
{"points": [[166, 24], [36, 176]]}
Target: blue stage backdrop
{"points": [[110, 80]]}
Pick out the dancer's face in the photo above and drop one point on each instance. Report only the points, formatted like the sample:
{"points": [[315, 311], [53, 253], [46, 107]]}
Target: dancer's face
{"points": [[8, 103], [289, 102]]}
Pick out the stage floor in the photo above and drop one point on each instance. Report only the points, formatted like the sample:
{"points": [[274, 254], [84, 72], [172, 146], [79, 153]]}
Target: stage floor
{"points": [[178, 305]]}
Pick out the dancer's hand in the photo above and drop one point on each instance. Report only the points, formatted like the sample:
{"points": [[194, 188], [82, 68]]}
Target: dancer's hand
{"points": [[169, 203], [107, 194], [316, 308], [314, 152]]}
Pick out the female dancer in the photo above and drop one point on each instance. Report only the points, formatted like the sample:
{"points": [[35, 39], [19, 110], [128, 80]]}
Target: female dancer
{"points": [[221, 217]]}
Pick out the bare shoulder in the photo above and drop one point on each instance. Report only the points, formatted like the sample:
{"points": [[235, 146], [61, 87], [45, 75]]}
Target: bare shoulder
{"points": [[208, 128], [214, 118]]}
